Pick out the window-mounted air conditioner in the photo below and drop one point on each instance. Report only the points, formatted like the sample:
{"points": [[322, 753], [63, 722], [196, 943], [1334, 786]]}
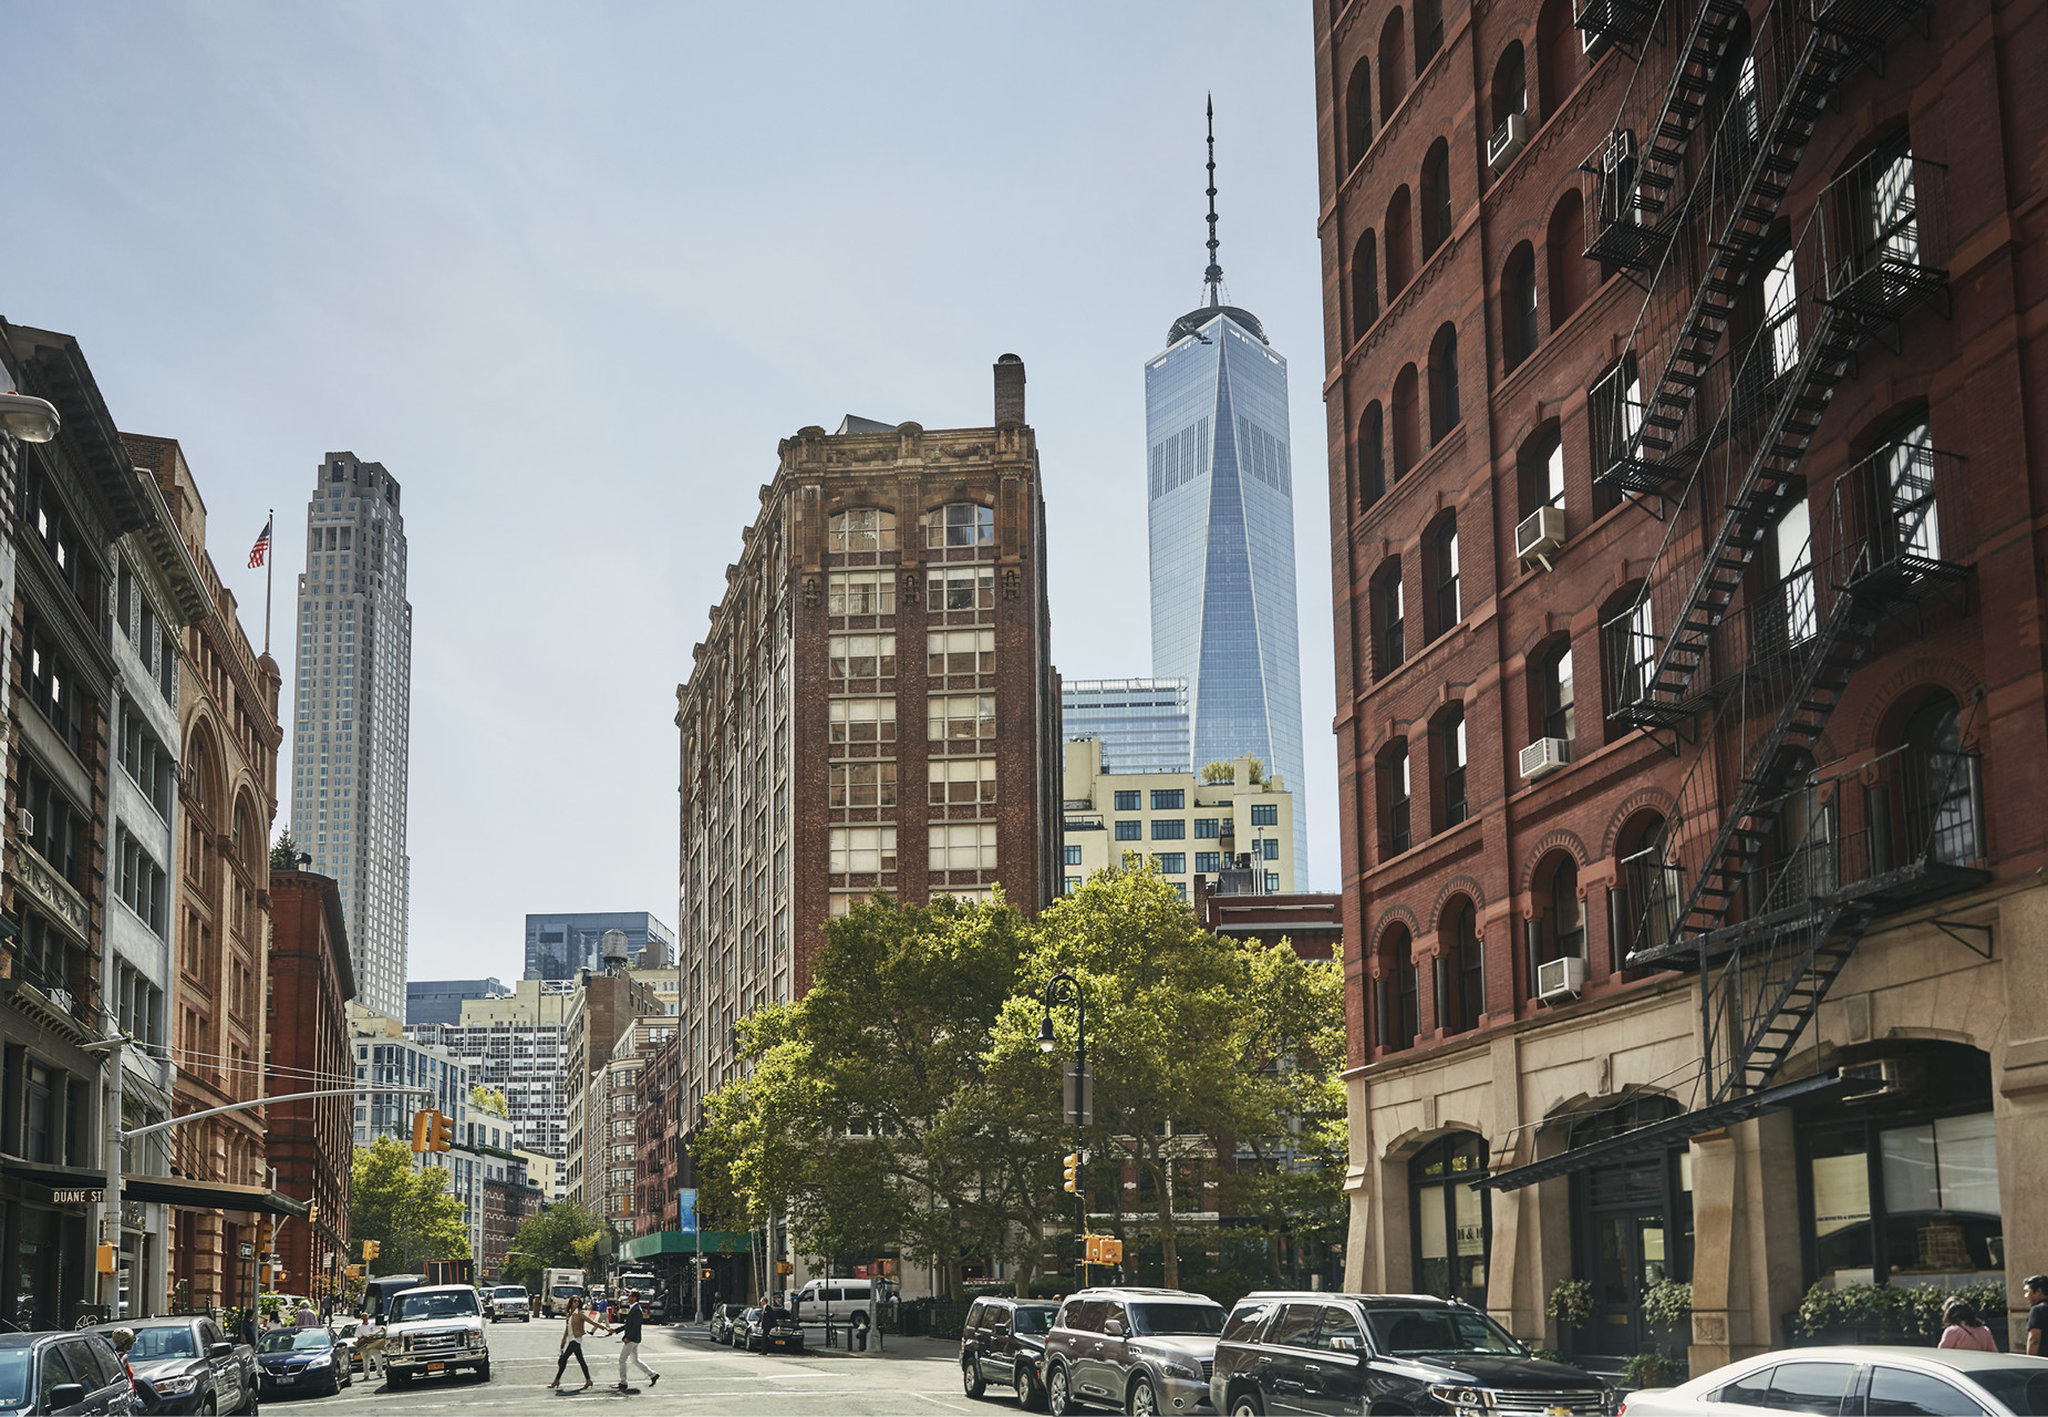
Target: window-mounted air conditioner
{"points": [[1539, 536], [26, 822], [1507, 140], [1542, 758], [1561, 978]]}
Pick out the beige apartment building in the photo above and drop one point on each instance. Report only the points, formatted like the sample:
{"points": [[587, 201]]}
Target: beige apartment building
{"points": [[1187, 828]]}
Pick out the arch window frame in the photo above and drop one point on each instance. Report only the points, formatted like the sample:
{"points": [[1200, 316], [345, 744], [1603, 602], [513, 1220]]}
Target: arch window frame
{"points": [[1441, 1175], [1521, 325], [1437, 218], [1397, 798], [1453, 805], [1445, 412]]}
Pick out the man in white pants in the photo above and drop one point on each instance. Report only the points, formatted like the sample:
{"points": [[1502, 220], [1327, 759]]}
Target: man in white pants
{"points": [[629, 1346]]}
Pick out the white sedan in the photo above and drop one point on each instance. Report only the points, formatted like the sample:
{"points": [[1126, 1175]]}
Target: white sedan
{"points": [[1859, 1382]]}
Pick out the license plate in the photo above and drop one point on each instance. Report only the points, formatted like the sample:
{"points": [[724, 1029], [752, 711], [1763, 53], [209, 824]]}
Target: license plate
{"points": [[435, 1367], [287, 1377]]}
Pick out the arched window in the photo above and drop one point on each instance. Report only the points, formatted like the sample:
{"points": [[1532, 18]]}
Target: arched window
{"points": [[1510, 94], [1443, 383], [248, 841], [199, 774], [1539, 468], [1365, 285], [1564, 244], [1396, 795], [1447, 739], [861, 529], [1942, 783], [1559, 929], [960, 524], [1429, 31], [1462, 968], [1440, 573], [1393, 66], [1651, 890], [1559, 56], [1372, 455], [1553, 702], [1407, 422], [1628, 635], [1357, 113], [1389, 618], [1394, 991], [1518, 306], [1436, 197], [1400, 234], [1452, 1228]]}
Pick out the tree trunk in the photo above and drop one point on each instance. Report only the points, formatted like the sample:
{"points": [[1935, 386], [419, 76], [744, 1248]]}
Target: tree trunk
{"points": [[1169, 1257]]}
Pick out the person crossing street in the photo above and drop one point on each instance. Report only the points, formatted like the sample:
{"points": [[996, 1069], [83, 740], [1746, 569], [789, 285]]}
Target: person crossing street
{"points": [[629, 1346]]}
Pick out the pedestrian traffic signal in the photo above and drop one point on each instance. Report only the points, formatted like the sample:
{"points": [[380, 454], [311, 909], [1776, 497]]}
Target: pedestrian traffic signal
{"points": [[106, 1259], [707, 1271], [422, 1125], [443, 1134], [1112, 1251], [1074, 1171]]}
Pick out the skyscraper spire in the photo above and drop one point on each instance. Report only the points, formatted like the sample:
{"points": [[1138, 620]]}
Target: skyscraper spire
{"points": [[1213, 276]]}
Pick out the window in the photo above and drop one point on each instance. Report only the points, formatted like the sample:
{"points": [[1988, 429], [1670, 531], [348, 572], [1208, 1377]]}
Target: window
{"points": [[1072, 855], [1632, 647], [1407, 433], [862, 720], [1560, 54], [1518, 306], [862, 657], [1539, 466], [1793, 542], [51, 687], [1442, 550], [1365, 285], [1908, 472], [963, 846], [1130, 801], [57, 830], [1616, 405], [1901, 1392], [1564, 240], [1510, 96], [1400, 236], [1269, 848], [863, 784], [1465, 968], [1443, 384], [1169, 829], [959, 588], [1559, 929], [862, 529], [1169, 799], [1781, 316], [141, 884], [1429, 31], [960, 524], [962, 718], [1372, 456], [1130, 831], [1941, 785], [1452, 807], [962, 781], [147, 762], [1394, 795], [1555, 696], [1208, 862], [1390, 618], [1436, 197], [1207, 828], [1357, 113], [960, 652], [1393, 66], [1171, 863], [1651, 889], [1451, 1219], [861, 593], [1072, 883], [1917, 1202], [1265, 814], [1393, 991]]}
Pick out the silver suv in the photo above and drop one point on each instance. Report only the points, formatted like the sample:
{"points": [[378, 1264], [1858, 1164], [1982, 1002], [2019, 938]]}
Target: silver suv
{"points": [[1137, 1350]]}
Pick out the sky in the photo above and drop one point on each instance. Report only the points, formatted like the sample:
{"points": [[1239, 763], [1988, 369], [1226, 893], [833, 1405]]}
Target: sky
{"points": [[571, 272]]}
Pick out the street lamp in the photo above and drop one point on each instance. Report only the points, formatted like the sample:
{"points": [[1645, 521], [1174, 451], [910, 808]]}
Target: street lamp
{"points": [[1064, 989], [28, 418]]}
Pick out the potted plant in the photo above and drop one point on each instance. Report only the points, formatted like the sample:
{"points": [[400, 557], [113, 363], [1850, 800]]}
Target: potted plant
{"points": [[1571, 1305]]}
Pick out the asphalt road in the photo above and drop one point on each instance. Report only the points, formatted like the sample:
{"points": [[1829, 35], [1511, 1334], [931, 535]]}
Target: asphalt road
{"points": [[915, 1375]]}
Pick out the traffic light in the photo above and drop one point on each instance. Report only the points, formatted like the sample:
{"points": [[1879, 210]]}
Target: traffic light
{"points": [[371, 1249], [1074, 1171], [422, 1128], [106, 1259], [442, 1134], [707, 1271], [1112, 1251], [313, 1213], [267, 1238]]}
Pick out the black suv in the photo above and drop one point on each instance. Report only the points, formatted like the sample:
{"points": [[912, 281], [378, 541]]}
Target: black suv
{"points": [[1385, 1353], [1139, 1350], [1002, 1342]]}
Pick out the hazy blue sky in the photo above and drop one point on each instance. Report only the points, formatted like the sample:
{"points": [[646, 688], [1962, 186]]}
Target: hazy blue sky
{"points": [[570, 272]]}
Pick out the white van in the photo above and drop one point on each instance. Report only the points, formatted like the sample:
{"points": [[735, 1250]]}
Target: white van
{"points": [[850, 1300]]}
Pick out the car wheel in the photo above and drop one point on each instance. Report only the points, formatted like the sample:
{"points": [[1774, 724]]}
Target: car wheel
{"points": [[1247, 1404], [210, 1406], [1143, 1402], [483, 1371], [1030, 1396], [397, 1380], [333, 1382], [1059, 1398], [970, 1376]]}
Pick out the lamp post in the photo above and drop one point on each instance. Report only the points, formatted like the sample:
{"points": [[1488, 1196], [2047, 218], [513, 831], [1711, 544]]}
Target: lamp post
{"points": [[1064, 989]]}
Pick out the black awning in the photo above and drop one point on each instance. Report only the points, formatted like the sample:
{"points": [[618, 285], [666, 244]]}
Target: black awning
{"points": [[1660, 1135], [209, 1195], [57, 1178]]}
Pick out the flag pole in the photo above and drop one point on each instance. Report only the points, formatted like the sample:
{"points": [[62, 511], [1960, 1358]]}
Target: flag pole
{"points": [[269, 571]]}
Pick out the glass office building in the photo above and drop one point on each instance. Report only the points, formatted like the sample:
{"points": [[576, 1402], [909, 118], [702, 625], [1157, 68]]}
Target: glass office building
{"points": [[1222, 543], [559, 945], [1142, 724]]}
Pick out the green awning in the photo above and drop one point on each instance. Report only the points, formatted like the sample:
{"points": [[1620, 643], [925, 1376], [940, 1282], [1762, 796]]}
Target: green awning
{"points": [[687, 1242]]}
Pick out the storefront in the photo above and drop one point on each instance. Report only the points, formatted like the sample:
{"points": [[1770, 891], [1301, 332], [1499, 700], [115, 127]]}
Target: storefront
{"points": [[45, 1242], [1631, 1224]]}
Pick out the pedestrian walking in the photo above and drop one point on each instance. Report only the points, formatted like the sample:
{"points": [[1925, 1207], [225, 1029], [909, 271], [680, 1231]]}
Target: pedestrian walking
{"points": [[629, 1346], [1962, 1328], [577, 1324], [2037, 1314], [306, 1317]]}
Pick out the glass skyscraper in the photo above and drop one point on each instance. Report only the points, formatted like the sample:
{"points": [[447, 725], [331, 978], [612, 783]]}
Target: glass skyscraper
{"points": [[1222, 529], [1143, 723]]}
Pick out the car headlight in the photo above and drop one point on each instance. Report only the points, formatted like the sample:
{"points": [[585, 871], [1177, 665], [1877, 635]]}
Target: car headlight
{"points": [[175, 1387], [1461, 1395], [1178, 1365], [320, 1360]]}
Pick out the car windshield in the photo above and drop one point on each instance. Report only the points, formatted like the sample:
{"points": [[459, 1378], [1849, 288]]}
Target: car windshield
{"points": [[509, 1292], [285, 1340], [152, 1344], [434, 1304], [1199, 1319], [1034, 1320], [1408, 1332], [14, 1377], [2024, 1391]]}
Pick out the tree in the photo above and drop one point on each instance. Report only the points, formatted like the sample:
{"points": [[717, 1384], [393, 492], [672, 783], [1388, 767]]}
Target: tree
{"points": [[408, 1209], [548, 1239], [284, 852], [1218, 772], [490, 1101]]}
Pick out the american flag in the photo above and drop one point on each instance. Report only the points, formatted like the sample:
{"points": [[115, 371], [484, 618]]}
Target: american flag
{"points": [[261, 548]]}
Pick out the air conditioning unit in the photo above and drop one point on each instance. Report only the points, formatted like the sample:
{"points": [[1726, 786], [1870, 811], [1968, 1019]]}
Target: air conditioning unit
{"points": [[61, 998], [1561, 978], [1507, 140], [1539, 535], [26, 822], [1543, 757]]}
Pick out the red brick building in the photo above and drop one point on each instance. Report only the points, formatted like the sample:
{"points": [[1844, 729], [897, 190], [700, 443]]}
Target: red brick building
{"points": [[508, 1201], [1313, 923], [1682, 396]]}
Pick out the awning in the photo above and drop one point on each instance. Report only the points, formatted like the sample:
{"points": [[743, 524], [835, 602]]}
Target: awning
{"points": [[687, 1242], [209, 1195], [1658, 1136], [73, 1184]]}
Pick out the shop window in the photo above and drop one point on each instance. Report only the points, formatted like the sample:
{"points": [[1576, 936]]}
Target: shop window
{"points": [[1357, 113], [1451, 1220]]}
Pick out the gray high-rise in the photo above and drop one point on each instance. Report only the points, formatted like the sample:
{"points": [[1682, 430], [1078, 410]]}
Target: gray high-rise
{"points": [[351, 715], [1222, 536]]}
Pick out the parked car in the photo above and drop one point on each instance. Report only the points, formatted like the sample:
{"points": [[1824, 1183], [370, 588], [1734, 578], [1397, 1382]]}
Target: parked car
{"points": [[435, 1329], [1003, 1342], [509, 1301], [1292, 1352], [1949, 1382], [293, 1360], [722, 1317], [62, 1372], [1140, 1350], [776, 1327], [191, 1364], [746, 1327]]}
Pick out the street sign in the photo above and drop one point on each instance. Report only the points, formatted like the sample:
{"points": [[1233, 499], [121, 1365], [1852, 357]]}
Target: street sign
{"points": [[78, 1196], [248, 1251]]}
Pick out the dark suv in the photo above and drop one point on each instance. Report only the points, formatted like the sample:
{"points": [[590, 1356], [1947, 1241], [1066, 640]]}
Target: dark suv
{"points": [[1002, 1342], [1385, 1353], [1140, 1350]]}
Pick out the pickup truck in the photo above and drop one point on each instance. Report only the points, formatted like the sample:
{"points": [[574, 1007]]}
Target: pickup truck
{"points": [[434, 1330], [192, 1364]]}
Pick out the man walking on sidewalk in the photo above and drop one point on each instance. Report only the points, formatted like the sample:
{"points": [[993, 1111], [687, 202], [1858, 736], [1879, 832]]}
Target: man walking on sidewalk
{"points": [[629, 1346]]}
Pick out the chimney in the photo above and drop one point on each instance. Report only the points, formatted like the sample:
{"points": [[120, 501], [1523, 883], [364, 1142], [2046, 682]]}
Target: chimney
{"points": [[1009, 390]]}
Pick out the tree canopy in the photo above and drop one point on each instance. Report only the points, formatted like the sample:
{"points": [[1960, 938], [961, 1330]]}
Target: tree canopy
{"points": [[407, 1208], [556, 1236]]}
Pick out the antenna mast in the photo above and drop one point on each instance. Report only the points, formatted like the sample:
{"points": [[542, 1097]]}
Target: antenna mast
{"points": [[1213, 276]]}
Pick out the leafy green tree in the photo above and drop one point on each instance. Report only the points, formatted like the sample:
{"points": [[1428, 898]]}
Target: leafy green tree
{"points": [[407, 1208], [489, 1100], [548, 1239], [284, 852]]}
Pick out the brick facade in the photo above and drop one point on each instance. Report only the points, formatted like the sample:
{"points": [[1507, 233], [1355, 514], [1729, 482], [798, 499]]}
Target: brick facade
{"points": [[310, 1143]]}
